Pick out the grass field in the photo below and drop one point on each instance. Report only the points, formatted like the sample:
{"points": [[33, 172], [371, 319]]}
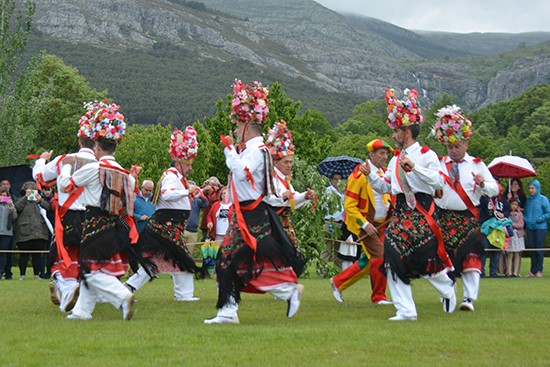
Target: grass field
{"points": [[510, 327]]}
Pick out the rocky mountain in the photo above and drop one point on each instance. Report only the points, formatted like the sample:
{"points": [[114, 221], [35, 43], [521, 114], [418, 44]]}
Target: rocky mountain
{"points": [[312, 47]]}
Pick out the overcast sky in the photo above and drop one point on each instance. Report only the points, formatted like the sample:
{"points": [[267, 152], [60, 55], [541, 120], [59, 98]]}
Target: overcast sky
{"points": [[461, 16]]}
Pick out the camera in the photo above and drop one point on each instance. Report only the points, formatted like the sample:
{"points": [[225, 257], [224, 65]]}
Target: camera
{"points": [[32, 195], [5, 199]]}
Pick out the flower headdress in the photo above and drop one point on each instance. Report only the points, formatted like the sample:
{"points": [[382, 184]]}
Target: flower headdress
{"points": [[404, 112], [184, 146], [279, 140], [451, 126], [249, 103], [102, 120]]}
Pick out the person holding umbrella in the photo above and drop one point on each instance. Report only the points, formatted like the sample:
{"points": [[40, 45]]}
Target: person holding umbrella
{"points": [[413, 243], [466, 180], [537, 214]]}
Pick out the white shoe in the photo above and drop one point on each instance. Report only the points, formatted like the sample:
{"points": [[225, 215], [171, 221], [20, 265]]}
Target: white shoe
{"points": [[69, 299], [128, 307], [222, 320], [294, 301], [449, 304], [336, 292], [76, 317], [384, 302], [22, 277], [467, 305], [402, 318], [55, 295], [189, 299]]}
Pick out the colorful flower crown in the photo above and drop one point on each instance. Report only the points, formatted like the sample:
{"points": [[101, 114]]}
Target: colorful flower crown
{"points": [[452, 126], [249, 103], [102, 120], [184, 146], [279, 140], [403, 112]]}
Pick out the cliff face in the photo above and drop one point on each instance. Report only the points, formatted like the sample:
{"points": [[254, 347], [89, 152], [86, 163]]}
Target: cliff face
{"points": [[299, 38]]}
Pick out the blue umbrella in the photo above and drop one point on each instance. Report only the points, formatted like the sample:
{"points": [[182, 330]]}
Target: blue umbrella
{"points": [[343, 165]]}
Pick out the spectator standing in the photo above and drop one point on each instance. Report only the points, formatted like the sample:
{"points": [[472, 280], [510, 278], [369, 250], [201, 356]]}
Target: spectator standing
{"points": [[5, 185], [32, 229], [335, 218], [48, 195], [495, 207], [211, 188], [537, 214], [198, 201], [517, 242], [218, 217], [143, 207], [515, 191], [8, 215]]}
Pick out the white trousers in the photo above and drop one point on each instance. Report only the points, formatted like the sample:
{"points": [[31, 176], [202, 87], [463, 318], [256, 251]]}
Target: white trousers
{"points": [[184, 286], [108, 286], [470, 283], [138, 279], [280, 291], [401, 293], [65, 285]]}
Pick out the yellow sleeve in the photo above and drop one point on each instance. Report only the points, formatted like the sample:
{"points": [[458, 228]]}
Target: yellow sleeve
{"points": [[354, 199]]}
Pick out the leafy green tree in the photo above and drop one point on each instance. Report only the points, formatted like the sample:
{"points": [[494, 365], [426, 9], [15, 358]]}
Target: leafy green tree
{"points": [[18, 118], [148, 147], [15, 28], [281, 107], [313, 136], [67, 91], [201, 165], [216, 126]]}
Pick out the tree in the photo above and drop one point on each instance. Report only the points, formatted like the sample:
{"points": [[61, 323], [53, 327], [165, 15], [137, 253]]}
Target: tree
{"points": [[15, 114], [202, 164], [216, 126], [313, 136], [14, 33], [147, 146]]}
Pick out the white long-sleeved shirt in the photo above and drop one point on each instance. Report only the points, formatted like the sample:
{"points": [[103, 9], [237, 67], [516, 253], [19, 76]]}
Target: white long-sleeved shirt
{"points": [[51, 170], [173, 194], [250, 160], [467, 168], [280, 188], [423, 178], [337, 216], [87, 177], [380, 206]]}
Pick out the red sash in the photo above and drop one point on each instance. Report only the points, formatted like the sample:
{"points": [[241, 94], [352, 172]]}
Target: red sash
{"points": [[457, 187], [248, 238], [59, 214]]}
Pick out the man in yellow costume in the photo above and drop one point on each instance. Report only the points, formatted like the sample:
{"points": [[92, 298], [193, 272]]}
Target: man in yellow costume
{"points": [[365, 215]]}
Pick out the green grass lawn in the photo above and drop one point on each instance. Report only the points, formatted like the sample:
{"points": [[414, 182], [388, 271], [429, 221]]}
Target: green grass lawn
{"points": [[510, 327]]}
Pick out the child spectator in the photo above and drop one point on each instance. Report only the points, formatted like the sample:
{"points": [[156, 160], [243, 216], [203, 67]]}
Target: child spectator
{"points": [[218, 217], [517, 242]]}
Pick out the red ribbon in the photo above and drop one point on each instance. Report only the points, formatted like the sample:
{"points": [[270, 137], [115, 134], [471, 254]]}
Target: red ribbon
{"points": [[243, 227], [457, 187]]}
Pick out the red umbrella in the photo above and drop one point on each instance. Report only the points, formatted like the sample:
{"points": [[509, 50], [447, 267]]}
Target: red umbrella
{"points": [[511, 166]]}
